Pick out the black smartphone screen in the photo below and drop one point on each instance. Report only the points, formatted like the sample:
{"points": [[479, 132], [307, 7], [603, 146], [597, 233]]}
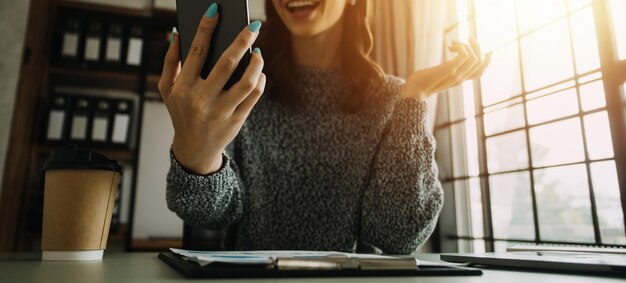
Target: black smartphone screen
{"points": [[233, 17]]}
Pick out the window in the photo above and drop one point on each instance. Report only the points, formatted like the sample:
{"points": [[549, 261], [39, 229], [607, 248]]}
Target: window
{"points": [[528, 149]]}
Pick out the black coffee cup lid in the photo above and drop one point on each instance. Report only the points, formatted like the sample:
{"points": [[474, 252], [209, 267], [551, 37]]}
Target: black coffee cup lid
{"points": [[73, 157]]}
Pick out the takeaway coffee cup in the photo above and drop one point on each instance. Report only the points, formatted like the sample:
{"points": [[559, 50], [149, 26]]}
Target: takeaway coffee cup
{"points": [[79, 194]]}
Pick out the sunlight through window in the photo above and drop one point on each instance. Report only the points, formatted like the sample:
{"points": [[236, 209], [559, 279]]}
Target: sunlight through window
{"points": [[547, 56], [576, 4], [507, 152], [618, 8], [511, 206], [504, 119], [585, 41], [598, 134], [553, 106], [536, 13], [502, 79], [592, 95], [495, 23], [476, 208], [563, 204], [607, 195], [557, 143]]}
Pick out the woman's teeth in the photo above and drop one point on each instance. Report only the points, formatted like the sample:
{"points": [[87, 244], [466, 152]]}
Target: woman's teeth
{"points": [[301, 5]]}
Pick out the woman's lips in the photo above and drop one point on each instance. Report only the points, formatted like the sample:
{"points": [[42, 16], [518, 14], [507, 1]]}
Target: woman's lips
{"points": [[301, 9]]}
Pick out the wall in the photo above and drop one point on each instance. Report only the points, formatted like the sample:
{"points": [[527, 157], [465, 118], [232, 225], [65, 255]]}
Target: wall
{"points": [[13, 16], [152, 218]]}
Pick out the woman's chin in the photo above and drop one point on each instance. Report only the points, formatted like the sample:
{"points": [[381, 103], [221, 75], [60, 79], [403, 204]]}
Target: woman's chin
{"points": [[303, 29]]}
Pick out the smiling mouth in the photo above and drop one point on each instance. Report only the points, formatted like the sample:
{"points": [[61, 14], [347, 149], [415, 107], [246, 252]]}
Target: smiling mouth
{"points": [[301, 5]]}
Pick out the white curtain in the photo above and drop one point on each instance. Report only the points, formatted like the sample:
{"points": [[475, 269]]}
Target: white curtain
{"points": [[409, 36]]}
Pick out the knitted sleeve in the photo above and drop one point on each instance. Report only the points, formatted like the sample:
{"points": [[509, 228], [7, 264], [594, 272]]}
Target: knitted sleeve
{"points": [[403, 199], [211, 201]]}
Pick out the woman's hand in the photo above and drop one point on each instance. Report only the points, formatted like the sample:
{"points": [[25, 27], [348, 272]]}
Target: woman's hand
{"points": [[469, 64], [205, 117]]}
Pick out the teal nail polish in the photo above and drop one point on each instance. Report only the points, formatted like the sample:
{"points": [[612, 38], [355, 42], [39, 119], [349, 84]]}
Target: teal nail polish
{"points": [[211, 11], [257, 50], [172, 35], [255, 26]]}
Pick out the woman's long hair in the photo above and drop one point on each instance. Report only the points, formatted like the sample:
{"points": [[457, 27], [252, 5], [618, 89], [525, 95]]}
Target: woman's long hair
{"points": [[361, 74]]}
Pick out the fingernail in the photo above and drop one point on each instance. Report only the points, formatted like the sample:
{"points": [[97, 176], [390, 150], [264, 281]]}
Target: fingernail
{"points": [[257, 50], [255, 26], [174, 31], [211, 11]]}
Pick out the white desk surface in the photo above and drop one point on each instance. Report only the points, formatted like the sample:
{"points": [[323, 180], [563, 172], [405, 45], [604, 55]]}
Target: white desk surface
{"points": [[146, 267]]}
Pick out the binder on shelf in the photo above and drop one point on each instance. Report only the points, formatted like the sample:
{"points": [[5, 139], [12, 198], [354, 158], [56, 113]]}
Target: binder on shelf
{"points": [[58, 111], [101, 123], [71, 48], [135, 47], [80, 122], [122, 115], [114, 46], [93, 43]]}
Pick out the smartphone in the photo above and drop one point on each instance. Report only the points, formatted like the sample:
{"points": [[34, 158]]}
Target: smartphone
{"points": [[233, 17]]}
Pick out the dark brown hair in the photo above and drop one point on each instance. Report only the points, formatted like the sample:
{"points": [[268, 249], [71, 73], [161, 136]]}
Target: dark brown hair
{"points": [[360, 73]]}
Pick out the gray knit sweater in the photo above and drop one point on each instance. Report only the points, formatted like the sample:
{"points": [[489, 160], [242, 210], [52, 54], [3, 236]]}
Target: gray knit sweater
{"points": [[312, 177]]}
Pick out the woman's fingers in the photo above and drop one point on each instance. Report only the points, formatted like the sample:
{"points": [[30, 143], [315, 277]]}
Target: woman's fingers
{"points": [[451, 81], [171, 66], [462, 56], [248, 82], [479, 62], [200, 45], [248, 103], [479, 71], [475, 46], [229, 60], [472, 59]]}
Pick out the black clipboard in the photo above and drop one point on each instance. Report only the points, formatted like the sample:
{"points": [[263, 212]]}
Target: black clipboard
{"points": [[191, 269]]}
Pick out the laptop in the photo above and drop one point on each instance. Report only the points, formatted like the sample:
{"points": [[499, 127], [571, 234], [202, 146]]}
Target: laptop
{"points": [[577, 260]]}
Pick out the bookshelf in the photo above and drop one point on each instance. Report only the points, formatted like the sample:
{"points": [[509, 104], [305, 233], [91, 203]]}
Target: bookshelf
{"points": [[41, 75], [94, 78]]}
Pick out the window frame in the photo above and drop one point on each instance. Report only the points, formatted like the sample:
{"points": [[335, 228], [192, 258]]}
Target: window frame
{"points": [[613, 80]]}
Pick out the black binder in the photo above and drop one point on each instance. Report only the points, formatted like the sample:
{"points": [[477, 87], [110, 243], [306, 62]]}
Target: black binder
{"points": [[94, 41], [134, 47], [101, 122], [122, 121], [58, 117], [80, 123], [70, 47], [114, 45], [191, 269]]}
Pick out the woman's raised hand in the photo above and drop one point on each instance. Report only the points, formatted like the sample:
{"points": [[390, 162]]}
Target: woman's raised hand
{"points": [[207, 118], [469, 64]]}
